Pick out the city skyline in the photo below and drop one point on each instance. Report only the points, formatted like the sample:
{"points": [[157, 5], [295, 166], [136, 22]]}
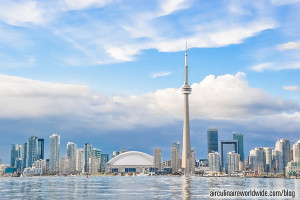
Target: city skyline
{"points": [[110, 73]]}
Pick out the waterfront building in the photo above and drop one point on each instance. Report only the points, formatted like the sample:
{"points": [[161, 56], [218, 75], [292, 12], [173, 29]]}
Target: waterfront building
{"points": [[292, 169], [54, 152], [88, 152], [257, 160], [131, 161], [42, 164], [226, 147], [15, 154], [24, 156], [71, 154], [233, 160], [97, 154], [157, 159], [296, 151], [32, 151], [80, 160], [283, 145], [213, 162], [115, 153], [241, 166], [212, 140], [104, 160], [187, 161], [268, 159], [94, 165], [175, 152], [65, 165], [277, 162], [41, 144], [240, 138]]}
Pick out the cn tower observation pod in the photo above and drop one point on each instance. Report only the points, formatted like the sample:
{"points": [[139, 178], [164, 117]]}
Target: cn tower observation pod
{"points": [[131, 161]]}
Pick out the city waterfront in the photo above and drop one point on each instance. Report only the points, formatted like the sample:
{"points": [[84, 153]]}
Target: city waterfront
{"points": [[139, 187]]}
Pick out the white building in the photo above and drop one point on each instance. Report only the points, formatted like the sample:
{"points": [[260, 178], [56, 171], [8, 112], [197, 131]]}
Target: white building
{"points": [[214, 162], [296, 151], [40, 164], [256, 160], [233, 160], [94, 165], [283, 145], [80, 160], [131, 161], [54, 152], [175, 161], [65, 166], [277, 161], [71, 153]]}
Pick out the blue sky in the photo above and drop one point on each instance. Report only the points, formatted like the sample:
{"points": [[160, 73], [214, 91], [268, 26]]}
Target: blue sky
{"points": [[109, 72]]}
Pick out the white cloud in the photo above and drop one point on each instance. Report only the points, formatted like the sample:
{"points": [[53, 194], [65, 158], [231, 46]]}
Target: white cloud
{"points": [[223, 97], [79, 4], [262, 66], [289, 45], [159, 74], [284, 2], [291, 88], [19, 13]]}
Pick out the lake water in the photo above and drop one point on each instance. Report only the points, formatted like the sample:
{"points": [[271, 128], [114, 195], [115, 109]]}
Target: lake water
{"points": [[139, 187]]}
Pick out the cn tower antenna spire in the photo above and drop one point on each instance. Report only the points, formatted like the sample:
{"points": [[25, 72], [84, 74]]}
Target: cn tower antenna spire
{"points": [[186, 66]]}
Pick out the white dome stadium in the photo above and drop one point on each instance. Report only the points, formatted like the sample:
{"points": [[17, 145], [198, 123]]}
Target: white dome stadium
{"points": [[131, 161]]}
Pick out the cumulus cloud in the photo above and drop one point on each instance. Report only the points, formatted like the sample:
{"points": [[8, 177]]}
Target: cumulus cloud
{"points": [[291, 88], [275, 66], [223, 97]]}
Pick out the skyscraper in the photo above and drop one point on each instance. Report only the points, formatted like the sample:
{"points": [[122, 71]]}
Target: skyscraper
{"points": [[214, 161], [97, 154], [257, 160], [283, 145], [226, 147], [278, 162], [187, 161], [103, 161], [296, 151], [40, 149], [24, 156], [157, 158], [175, 151], [212, 140], [15, 154], [54, 152], [87, 154], [32, 151], [71, 154], [240, 138], [232, 162], [80, 160]]}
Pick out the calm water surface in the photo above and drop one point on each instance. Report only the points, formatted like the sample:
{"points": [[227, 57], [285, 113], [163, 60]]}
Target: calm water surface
{"points": [[126, 187]]}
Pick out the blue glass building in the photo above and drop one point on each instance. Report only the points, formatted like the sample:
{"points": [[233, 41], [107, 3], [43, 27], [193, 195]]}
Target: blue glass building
{"points": [[212, 140]]}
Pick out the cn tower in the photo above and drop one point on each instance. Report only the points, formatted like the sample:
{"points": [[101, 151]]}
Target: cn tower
{"points": [[186, 144]]}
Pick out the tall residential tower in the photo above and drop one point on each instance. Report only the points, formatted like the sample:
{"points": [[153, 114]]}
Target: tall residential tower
{"points": [[187, 161]]}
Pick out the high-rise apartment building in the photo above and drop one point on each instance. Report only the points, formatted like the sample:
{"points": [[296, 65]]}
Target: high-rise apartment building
{"points": [[212, 140], [233, 160], [268, 159], [214, 162], [80, 159], [97, 154], [54, 152], [226, 147], [296, 151], [32, 151], [71, 154], [257, 160], [157, 158], [277, 162], [103, 161], [88, 152], [175, 152], [283, 145], [240, 138], [40, 149], [15, 154], [24, 156]]}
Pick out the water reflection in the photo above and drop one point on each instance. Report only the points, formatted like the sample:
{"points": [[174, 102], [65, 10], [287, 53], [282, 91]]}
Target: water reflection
{"points": [[186, 187]]}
